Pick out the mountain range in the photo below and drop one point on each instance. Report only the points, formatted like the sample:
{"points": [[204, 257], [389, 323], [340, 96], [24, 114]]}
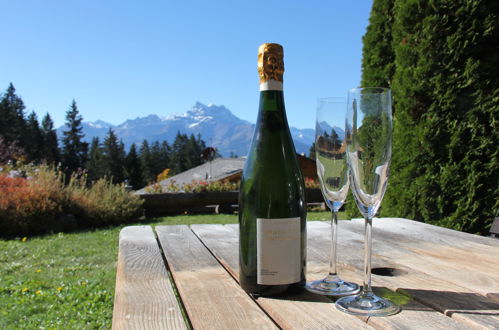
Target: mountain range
{"points": [[217, 125]]}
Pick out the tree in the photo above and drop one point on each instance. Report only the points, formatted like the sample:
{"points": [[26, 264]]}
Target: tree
{"points": [[133, 169], [156, 160], [113, 157], [12, 117], [10, 151], [166, 151], [311, 152], [378, 57], [445, 91], [179, 154], [186, 152], [74, 149], [95, 162], [50, 149], [147, 162], [33, 138]]}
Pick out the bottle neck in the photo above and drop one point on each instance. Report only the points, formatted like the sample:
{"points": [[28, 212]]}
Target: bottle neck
{"points": [[271, 85], [272, 101]]}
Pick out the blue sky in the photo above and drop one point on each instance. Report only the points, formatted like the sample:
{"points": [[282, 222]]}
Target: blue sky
{"points": [[125, 59]]}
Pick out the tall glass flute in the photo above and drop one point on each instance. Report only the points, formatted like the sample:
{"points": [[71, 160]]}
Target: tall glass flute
{"points": [[333, 176], [369, 148]]}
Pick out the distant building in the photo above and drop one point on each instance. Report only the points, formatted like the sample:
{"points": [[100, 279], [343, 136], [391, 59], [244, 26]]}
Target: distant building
{"points": [[229, 169]]}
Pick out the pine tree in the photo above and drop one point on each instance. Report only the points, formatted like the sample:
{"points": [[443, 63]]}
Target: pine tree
{"points": [[166, 151], [113, 158], [311, 152], [156, 159], [146, 162], [50, 149], [33, 138], [199, 146], [95, 162], [74, 149], [179, 154], [12, 117], [133, 169]]}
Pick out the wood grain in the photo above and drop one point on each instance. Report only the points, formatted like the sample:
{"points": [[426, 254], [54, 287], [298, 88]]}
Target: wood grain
{"points": [[469, 261], [415, 314], [445, 279], [144, 297], [300, 311], [463, 304], [212, 298]]}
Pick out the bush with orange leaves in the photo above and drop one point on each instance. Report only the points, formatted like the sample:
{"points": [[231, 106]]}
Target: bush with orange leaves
{"points": [[38, 202], [30, 205]]}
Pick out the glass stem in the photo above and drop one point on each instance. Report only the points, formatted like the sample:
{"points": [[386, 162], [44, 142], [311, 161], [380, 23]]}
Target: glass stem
{"points": [[367, 255], [334, 237]]}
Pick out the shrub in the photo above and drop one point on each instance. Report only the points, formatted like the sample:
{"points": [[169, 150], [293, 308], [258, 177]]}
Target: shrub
{"points": [[30, 205], [312, 184], [34, 199], [104, 203], [193, 187]]}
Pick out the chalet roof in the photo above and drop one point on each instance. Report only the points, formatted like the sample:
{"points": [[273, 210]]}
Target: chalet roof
{"points": [[216, 170], [225, 169]]}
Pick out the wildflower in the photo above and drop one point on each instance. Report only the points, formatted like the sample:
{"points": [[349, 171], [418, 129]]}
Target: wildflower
{"points": [[25, 289], [59, 289], [24, 239], [38, 291], [38, 270]]}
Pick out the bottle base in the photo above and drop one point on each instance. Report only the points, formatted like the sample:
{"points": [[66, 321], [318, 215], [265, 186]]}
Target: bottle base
{"points": [[259, 290]]}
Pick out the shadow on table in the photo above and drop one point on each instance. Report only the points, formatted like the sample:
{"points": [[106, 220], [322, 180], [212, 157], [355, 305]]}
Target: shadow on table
{"points": [[449, 302], [446, 302], [301, 295]]}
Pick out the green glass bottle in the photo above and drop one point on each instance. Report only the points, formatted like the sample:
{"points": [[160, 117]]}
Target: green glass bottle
{"points": [[272, 208]]}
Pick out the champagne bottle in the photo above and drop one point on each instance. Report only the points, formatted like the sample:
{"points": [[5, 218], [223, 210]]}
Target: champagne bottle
{"points": [[272, 209]]}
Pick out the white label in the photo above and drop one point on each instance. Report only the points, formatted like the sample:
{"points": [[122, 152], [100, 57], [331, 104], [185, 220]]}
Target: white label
{"points": [[278, 251], [271, 85]]}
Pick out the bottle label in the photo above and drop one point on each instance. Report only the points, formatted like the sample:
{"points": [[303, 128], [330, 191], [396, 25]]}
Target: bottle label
{"points": [[278, 251], [271, 85]]}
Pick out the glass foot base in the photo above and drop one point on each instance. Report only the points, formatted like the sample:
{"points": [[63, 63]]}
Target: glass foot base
{"points": [[367, 304], [332, 285]]}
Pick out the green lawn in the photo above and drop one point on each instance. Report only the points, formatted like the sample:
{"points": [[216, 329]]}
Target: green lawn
{"points": [[67, 280]]}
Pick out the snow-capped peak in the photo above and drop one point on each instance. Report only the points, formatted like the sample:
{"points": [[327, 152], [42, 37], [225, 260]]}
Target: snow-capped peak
{"points": [[99, 124]]}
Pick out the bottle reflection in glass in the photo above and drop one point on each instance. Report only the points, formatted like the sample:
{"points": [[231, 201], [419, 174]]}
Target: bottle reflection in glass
{"points": [[369, 148], [332, 170]]}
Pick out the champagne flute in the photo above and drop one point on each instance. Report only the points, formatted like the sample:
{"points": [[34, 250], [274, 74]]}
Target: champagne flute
{"points": [[333, 176], [369, 148]]}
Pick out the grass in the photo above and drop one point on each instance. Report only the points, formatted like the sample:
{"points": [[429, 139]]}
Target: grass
{"points": [[66, 280]]}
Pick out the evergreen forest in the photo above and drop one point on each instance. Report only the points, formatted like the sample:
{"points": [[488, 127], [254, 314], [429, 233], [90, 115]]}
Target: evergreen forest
{"points": [[24, 138]]}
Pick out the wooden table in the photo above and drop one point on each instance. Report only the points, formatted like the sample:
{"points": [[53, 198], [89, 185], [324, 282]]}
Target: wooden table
{"points": [[443, 279]]}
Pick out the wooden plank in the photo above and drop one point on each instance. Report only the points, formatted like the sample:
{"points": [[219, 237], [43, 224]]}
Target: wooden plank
{"points": [[212, 298], [300, 311], [415, 232], [429, 232], [462, 304], [414, 314], [443, 253], [144, 297]]}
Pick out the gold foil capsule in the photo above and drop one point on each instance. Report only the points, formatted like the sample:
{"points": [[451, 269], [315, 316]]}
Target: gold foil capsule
{"points": [[270, 62]]}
